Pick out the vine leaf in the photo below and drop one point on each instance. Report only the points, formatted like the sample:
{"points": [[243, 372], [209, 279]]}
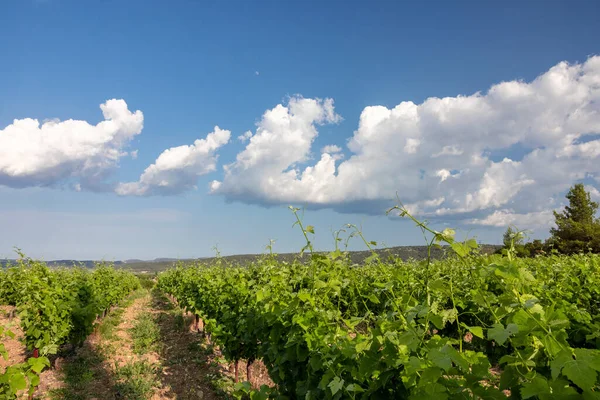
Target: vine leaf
{"points": [[580, 373], [336, 385], [537, 386], [500, 334]]}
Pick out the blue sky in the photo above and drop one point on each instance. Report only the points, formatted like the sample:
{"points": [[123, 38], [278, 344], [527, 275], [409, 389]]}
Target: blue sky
{"points": [[190, 66]]}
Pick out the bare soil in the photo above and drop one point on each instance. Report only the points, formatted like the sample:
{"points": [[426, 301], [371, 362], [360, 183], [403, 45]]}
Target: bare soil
{"points": [[181, 365]]}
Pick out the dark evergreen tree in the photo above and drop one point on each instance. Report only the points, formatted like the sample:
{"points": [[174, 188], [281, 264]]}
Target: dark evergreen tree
{"points": [[577, 227]]}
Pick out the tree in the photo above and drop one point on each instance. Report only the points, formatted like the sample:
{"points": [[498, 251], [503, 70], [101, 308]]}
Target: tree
{"points": [[512, 236], [535, 248], [577, 228], [513, 241]]}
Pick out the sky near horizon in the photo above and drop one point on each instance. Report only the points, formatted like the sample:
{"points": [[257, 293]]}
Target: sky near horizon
{"points": [[144, 129]]}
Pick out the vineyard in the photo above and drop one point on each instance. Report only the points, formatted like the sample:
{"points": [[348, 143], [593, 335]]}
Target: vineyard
{"points": [[470, 326], [56, 307]]}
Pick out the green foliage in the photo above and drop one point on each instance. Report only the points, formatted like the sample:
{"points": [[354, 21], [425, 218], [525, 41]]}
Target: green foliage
{"points": [[136, 381], [144, 333], [146, 281], [19, 377], [328, 329], [577, 227], [512, 237], [58, 306]]}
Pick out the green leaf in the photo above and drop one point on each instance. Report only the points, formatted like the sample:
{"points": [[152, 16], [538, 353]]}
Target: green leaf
{"points": [[438, 284], [459, 249], [509, 378], [373, 298], [501, 334], [243, 386], [17, 381], [448, 234], [336, 385], [353, 387], [430, 375], [440, 359], [38, 364], [561, 389], [304, 296], [476, 330], [449, 315], [310, 229], [580, 373], [559, 362], [472, 243], [34, 380], [589, 356], [437, 320], [537, 387], [589, 395], [352, 322], [361, 346]]}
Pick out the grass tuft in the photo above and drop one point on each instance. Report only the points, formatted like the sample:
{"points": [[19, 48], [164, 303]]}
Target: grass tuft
{"points": [[145, 334], [136, 381]]}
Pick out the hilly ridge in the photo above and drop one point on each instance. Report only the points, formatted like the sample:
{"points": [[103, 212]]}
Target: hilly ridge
{"points": [[160, 264]]}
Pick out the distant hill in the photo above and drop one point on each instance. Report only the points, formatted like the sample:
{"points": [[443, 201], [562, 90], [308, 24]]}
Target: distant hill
{"points": [[64, 263], [357, 257]]}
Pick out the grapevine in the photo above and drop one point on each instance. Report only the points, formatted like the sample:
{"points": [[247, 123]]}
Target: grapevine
{"points": [[468, 326]]}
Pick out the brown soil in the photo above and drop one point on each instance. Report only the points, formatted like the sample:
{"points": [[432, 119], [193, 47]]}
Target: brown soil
{"points": [[185, 372], [185, 364], [17, 353], [14, 347], [179, 372], [258, 371]]}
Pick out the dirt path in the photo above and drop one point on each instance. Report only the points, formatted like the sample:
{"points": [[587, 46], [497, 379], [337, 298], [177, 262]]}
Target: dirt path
{"points": [[143, 350]]}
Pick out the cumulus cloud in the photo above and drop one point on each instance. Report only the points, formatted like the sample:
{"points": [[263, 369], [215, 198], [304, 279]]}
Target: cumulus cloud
{"points": [[439, 149], [283, 139], [594, 193], [245, 137], [503, 218], [56, 152], [177, 169], [331, 149]]}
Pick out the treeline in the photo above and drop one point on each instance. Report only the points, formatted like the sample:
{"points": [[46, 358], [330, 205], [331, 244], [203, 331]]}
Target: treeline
{"points": [[577, 230]]}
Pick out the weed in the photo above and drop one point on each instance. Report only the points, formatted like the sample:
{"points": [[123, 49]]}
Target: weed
{"points": [[78, 373], [145, 334], [179, 322], [136, 381]]}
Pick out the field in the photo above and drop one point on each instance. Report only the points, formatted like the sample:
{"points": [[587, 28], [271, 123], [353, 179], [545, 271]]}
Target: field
{"points": [[468, 325]]}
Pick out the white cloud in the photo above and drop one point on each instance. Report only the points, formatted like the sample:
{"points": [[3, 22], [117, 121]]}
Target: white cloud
{"points": [[283, 139], [331, 149], [449, 150], [594, 193], [56, 152], [177, 169], [334, 151], [504, 218], [433, 150], [443, 174], [134, 154], [245, 137], [411, 145]]}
